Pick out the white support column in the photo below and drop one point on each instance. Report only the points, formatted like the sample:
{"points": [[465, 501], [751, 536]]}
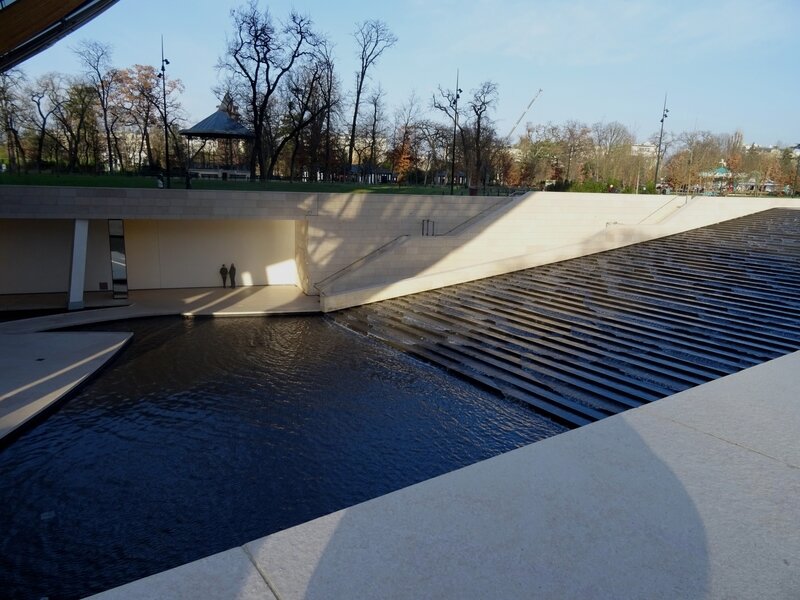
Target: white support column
{"points": [[77, 271]]}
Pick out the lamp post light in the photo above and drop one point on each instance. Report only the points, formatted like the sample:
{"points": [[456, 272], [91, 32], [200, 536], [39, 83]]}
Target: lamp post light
{"points": [[664, 114], [163, 77], [796, 170], [454, 104]]}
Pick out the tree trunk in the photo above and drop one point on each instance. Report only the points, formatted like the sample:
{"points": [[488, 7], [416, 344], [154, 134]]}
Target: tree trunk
{"points": [[108, 143], [359, 87], [40, 148], [292, 160]]}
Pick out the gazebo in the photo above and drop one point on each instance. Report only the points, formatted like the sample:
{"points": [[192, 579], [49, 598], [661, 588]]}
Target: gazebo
{"points": [[228, 139], [721, 178]]}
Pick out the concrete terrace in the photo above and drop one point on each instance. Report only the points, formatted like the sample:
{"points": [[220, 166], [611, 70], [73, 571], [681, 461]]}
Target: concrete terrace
{"points": [[693, 496]]}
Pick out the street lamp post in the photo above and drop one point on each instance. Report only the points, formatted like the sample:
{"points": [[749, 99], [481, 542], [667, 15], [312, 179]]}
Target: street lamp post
{"points": [[796, 170], [163, 77], [454, 104], [664, 114]]}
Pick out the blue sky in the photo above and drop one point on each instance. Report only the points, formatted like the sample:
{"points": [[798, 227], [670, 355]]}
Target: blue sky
{"points": [[725, 64]]}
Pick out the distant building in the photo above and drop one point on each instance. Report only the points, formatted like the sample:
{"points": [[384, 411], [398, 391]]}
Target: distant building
{"points": [[372, 175], [646, 150]]}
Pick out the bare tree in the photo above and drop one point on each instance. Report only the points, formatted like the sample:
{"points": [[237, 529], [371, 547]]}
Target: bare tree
{"points": [[446, 101], [483, 99], [575, 139], [138, 97], [733, 146], [96, 59], [537, 147], [332, 103], [175, 115], [373, 38], [436, 138], [404, 152], [259, 56], [472, 128], [314, 139], [74, 110], [374, 126], [40, 94], [305, 102], [10, 116], [612, 143]]}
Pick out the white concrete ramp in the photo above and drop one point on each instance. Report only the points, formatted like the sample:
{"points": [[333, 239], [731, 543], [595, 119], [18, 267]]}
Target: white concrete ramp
{"points": [[693, 496], [38, 369]]}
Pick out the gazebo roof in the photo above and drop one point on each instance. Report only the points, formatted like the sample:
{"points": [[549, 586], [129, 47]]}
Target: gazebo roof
{"points": [[718, 173], [219, 125]]}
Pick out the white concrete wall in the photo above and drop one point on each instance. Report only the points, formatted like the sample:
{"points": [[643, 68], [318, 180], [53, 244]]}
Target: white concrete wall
{"points": [[189, 253], [346, 227], [35, 255], [537, 229], [324, 246]]}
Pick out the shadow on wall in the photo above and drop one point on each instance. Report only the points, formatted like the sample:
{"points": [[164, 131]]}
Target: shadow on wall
{"points": [[179, 238], [492, 239], [607, 511], [474, 238], [347, 227]]}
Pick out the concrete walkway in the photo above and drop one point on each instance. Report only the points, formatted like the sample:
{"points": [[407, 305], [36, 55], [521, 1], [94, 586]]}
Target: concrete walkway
{"points": [[693, 496], [38, 368]]}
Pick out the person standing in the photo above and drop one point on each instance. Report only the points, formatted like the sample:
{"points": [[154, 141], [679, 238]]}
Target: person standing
{"points": [[232, 275], [223, 271]]}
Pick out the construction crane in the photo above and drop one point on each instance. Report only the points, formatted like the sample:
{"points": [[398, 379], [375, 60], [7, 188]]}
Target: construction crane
{"points": [[525, 112]]}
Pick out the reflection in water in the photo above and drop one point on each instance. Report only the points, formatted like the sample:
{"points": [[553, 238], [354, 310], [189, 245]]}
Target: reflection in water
{"points": [[206, 434]]}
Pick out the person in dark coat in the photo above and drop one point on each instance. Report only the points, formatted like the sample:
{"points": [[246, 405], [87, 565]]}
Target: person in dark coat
{"points": [[223, 271], [232, 275]]}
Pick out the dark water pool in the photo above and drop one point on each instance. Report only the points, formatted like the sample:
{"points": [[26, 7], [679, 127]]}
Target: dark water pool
{"points": [[205, 434]]}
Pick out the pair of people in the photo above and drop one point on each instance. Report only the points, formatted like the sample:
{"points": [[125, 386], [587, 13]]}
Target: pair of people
{"points": [[226, 272]]}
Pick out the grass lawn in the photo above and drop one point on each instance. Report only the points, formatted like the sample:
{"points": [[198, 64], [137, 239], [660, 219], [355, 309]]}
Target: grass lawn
{"points": [[133, 181]]}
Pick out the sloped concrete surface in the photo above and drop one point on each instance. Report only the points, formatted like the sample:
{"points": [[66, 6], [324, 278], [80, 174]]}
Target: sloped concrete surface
{"points": [[37, 369], [229, 575], [694, 496], [761, 413]]}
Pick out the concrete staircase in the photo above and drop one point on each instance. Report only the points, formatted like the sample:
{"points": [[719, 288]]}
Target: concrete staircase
{"points": [[590, 337]]}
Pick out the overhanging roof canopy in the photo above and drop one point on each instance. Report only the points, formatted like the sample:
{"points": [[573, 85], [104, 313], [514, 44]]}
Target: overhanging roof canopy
{"points": [[29, 26]]}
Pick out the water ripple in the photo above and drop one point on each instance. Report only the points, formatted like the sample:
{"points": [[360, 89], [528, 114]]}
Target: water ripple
{"points": [[208, 433]]}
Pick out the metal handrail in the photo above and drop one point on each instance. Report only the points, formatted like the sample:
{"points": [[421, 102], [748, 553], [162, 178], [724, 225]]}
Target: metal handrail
{"points": [[382, 249], [668, 202], [363, 259], [472, 220]]}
